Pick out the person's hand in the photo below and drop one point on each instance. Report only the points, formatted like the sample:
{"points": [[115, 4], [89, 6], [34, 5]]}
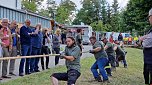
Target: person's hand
{"points": [[13, 34], [91, 51], [6, 37], [10, 48], [3, 44], [29, 33], [62, 55], [60, 41]]}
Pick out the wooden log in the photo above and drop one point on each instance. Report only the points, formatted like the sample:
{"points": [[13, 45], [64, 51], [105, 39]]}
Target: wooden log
{"points": [[33, 56]]}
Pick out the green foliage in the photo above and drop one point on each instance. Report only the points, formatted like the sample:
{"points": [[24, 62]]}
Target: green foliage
{"points": [[30, 6], [99, 14], [135, 16], [89, 13], [99, 26], [65, 9], [44, 12]]}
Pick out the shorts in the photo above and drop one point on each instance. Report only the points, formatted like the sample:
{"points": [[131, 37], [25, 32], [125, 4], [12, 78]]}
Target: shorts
{"points": [[71, 76]]}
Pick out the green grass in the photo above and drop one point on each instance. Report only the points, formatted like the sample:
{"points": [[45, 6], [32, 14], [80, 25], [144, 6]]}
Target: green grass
{"points": [[130, 76]]}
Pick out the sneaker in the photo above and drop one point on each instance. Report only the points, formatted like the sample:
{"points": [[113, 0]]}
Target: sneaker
{"points": [[47, 68], [98, 79], [106, 81], [37, 70], [109, 74], [125, 66], [1, 79], [6, 77], [21, 74], [12, 74], [28, 73]]}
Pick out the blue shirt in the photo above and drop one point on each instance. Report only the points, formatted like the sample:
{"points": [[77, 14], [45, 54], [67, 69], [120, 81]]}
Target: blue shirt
{"points": [[37, 39], [14, 38]]}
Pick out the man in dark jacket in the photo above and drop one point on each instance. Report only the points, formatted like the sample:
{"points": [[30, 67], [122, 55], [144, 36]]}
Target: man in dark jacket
{"points": [[26, 48]]}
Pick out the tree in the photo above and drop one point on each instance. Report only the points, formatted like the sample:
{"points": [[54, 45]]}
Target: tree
{"points": [[103, 11], [135, 15], [89, 13], [31, 5], [64, 10], [109, 14], [44, 12], [115, 14]]}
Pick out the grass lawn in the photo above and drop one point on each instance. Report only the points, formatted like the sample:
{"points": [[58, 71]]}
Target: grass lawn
{"points": [[130, 76]]}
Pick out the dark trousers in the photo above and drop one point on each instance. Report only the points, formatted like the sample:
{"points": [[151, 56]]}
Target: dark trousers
{"points": [[147, 74], [45, 50], [34, 61], [119, 58], [57, 51], [80, 49], [70, 76], [26, 51], [108, 69], [112, 60]]}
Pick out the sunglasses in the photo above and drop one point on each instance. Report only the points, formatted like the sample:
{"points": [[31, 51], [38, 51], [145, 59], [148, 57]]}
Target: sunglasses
{"points": [[4, 22]]}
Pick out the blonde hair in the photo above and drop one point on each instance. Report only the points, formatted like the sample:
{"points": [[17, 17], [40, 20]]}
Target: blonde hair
{"points": [[58, 30]]}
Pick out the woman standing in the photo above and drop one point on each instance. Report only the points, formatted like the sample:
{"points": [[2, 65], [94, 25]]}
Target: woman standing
{"points": [[45, 48], [56, 44]]}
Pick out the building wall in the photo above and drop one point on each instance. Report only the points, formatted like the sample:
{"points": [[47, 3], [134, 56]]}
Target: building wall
{"points": [[14, 4], [20, 17]]}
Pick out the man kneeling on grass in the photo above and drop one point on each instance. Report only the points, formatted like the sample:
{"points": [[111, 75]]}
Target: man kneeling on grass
{"points": [[101, 60], [72, 56]]}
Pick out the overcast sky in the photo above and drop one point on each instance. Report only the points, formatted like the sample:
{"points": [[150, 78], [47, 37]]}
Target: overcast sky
{"points": [[122, 3]]}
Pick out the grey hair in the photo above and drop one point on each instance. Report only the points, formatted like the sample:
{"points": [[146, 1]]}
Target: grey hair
{"points": [[5, 19], [27, 20], [150, 12]]}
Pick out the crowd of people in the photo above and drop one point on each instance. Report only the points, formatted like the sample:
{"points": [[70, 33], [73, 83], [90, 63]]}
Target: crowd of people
{"points": [[27, 41], [105, 52], [130, 40], [107, 55]]}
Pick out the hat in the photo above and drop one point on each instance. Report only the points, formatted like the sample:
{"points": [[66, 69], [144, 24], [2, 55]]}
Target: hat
{"points": [[150, 12]]}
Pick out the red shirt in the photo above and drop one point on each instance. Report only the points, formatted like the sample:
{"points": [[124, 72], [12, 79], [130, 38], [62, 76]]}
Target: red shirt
{"points": [[5, 34], [111, 40]]}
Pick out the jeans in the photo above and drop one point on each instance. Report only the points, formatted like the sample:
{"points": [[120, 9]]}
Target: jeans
{"points": [[100, 64], [26, 51], [34, 61], [57, 51]]}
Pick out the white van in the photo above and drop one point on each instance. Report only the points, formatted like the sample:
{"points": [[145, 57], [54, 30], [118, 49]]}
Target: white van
{"points": [[87, 32]]}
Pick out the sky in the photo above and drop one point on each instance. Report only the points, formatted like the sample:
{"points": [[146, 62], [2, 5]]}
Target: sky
{"points": [[122, 3]]}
